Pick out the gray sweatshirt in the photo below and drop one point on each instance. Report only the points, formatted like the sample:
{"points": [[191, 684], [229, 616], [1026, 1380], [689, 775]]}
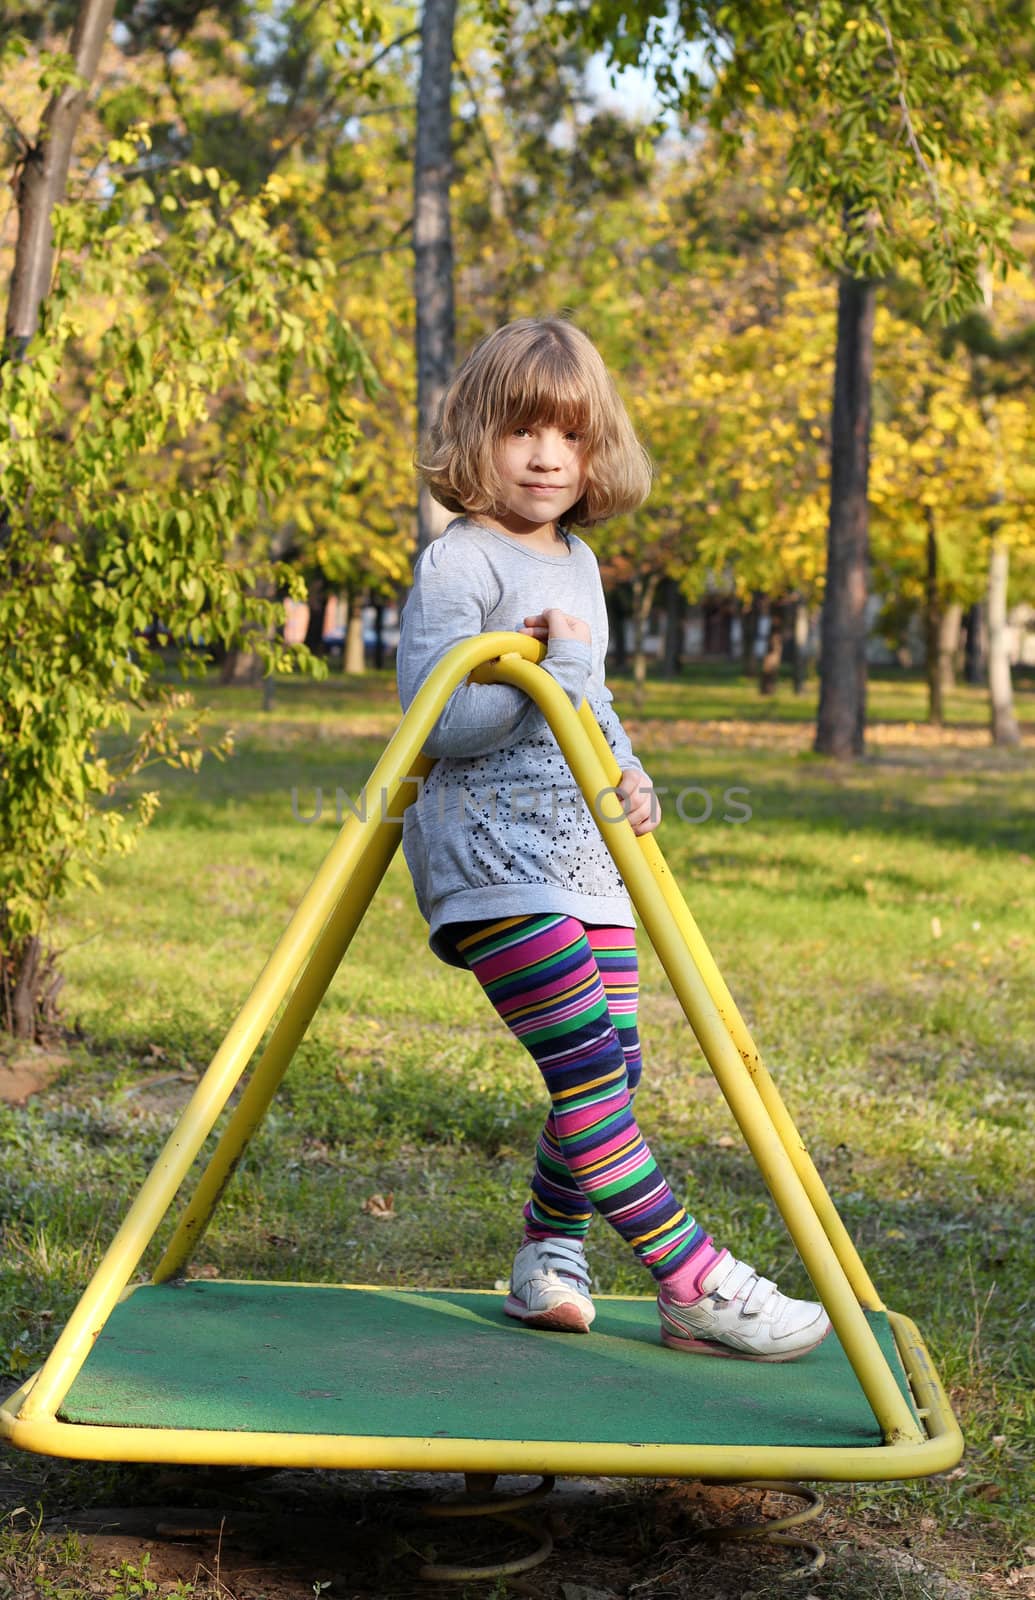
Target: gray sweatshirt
{"points": [[500, 828]]}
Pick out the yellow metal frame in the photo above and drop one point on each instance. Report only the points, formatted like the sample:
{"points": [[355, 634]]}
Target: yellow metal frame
{"points": [[300, 970]]}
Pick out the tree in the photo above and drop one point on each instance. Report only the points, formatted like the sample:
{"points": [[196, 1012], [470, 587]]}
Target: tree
{"points": [[893, 108], [322, 98], [191, 319], [432, 230], [928, 486], [1001, 368], [952, 489], [841, 727], [42, 172]]}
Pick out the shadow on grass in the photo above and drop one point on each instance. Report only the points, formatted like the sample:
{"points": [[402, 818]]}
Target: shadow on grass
{"points": [[996, 818]]}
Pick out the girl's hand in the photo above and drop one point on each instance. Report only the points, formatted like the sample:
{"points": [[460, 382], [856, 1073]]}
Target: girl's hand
{"points": [[557, 624], [639, 802]]}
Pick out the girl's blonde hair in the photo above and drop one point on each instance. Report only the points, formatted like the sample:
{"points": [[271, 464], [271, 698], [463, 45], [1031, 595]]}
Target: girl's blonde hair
{"points": [[537, 370]]}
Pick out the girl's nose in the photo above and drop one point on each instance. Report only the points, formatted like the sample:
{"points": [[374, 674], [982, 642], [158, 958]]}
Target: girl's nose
{"points": [[546, 452]]}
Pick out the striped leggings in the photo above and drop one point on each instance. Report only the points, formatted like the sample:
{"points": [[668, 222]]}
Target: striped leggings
{"points": [[569, 993]]}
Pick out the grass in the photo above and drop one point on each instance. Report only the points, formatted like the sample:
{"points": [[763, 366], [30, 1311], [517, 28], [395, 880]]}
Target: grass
{"points": [[873, 921]]}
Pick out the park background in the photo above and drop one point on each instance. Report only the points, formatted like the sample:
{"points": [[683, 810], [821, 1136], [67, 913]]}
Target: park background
{"points": [[802, 239]]}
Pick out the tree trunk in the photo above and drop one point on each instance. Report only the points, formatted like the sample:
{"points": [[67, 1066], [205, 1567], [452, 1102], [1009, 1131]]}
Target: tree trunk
{"points": [[748, 634], [1000, 688], [769, 668], [243, 666], [432, 235], [952, 643], [317, 616], [975, 649], [949, 644], [675, 606], [801, 644], [841, 725], [644, 589], [240, 667], [1003, 722], [31, 984], [379, 634], [30, 980], [933, 626], [355, 655], [43, 176], [616, 613]]}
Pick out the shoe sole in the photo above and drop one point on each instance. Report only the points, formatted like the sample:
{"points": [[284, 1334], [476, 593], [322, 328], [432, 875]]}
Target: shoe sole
{"points": [[559, 1319], [708, 1347]]}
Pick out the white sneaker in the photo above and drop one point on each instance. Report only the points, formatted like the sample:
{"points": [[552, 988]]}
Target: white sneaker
{"points": [[549, 1286], [743, 1316]]}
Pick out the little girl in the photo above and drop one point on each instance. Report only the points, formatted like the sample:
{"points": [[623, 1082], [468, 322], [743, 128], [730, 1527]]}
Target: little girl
{"points": [[508, 864]]}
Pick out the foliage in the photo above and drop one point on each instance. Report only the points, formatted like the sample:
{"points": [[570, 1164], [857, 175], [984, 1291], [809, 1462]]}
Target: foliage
{"points": [[187, 369], [705, 288], [896, 109], [310, 99], [937, 469]]}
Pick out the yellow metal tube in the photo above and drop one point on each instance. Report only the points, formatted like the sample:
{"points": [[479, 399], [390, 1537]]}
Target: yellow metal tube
{"points": [[231, 1059], [742, 1095], [348, 873], [305, 999], [836, 1232]]}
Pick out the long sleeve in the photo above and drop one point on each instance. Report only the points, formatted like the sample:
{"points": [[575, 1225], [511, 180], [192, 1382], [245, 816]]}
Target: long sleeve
{"points": [[614, 733], [454, 591], [602, 700]]}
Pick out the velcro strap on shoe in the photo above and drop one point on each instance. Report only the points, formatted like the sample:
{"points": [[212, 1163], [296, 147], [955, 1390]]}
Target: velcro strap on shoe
{"points": [[758, 1297], [567, 1260], [743, 1282], [738, 1277]]}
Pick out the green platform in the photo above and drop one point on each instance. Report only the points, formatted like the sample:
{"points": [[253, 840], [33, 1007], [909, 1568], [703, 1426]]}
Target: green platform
{"points": [[302, 1359]]}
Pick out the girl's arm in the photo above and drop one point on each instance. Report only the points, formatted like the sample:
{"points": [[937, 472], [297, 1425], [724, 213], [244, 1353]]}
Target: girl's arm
{"points": [[453, 594], [603, 709]]}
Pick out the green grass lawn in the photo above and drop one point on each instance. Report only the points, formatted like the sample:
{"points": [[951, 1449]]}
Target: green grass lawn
{"points": [[873, 921]]}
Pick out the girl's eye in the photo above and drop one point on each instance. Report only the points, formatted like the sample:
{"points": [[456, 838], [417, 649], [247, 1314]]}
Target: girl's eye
{"points": [[526, 428]]}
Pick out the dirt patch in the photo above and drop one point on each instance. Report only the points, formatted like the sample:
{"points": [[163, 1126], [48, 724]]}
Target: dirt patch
{"points": [[759, 734], [28, 1073], [248, 1535]]}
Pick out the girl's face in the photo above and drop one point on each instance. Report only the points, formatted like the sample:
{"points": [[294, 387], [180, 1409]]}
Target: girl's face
{"points": [[543, 473]]}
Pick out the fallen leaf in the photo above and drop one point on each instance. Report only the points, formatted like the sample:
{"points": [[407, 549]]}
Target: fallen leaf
{"points": [[380, 1205]]}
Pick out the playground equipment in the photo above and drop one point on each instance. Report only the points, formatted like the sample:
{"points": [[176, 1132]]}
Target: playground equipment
{"points": [[302, 1375]]}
